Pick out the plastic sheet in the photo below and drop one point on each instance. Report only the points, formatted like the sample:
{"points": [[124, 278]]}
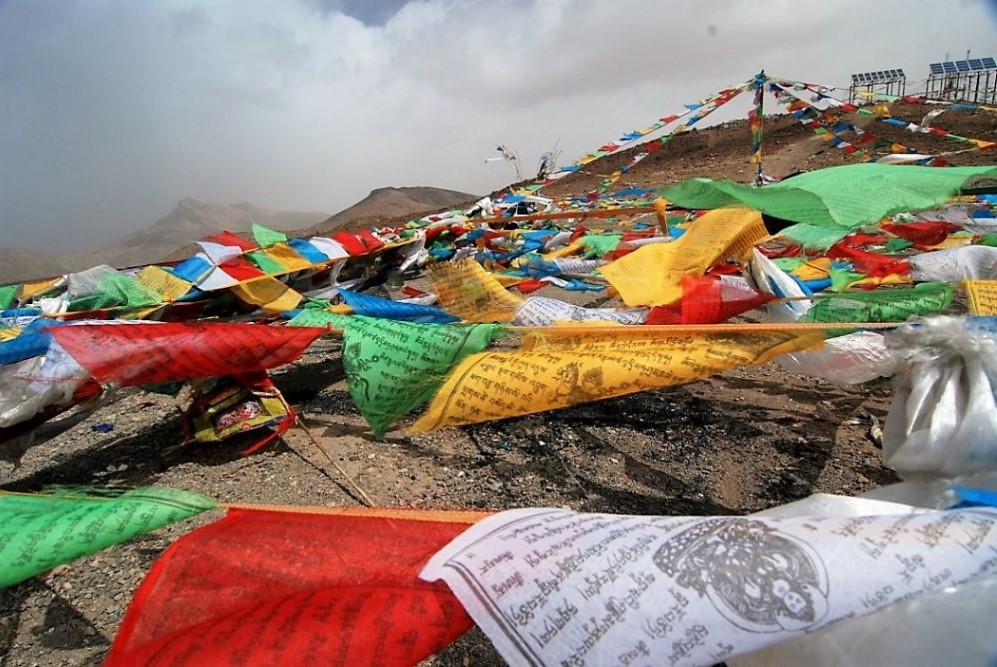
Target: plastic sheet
{"points": [[943, 416]]}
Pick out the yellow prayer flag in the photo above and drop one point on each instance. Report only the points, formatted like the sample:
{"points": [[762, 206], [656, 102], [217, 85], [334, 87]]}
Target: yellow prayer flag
{"points": [[268, 293], [286, 256], [566, 251], [9, 333], [652, 274], [35, 288], [163, 283], [813, 269], [952, 242], [561, 366], [465, 289], [982, 296]]}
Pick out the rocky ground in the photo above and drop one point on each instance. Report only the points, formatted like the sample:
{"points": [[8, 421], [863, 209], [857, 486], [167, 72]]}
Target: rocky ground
{"points": [[743, 441]]}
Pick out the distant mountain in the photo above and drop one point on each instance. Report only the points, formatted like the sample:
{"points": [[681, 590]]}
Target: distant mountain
{"points": [[388, 203], [189, 221]]}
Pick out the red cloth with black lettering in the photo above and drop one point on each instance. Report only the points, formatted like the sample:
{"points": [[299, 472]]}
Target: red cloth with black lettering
{"points": [[133, 354], [289, 588]]}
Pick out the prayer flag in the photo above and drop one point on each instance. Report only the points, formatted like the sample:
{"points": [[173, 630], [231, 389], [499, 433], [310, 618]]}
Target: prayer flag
{"points": [[147, 353], [392, 367], [39, 532], [562, 366], [297, 588], [652, 274]]}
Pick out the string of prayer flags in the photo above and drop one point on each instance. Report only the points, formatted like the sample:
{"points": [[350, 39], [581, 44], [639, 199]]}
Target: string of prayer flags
{"points": [[652, 274], [755, 116], [149, 353], [562, 366], [467, 290], [895, 305], [297, 588], [393, 367], [849, 196], [38, 532], [982, 296]]}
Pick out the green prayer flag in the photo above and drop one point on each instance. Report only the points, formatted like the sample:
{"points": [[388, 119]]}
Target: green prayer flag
{"points": [[788, 264], [38, 533], [896, 245], [393, 367], [265, 263], [989, 239], [842, 279], [849, 196], [314, 317], [266, 237], [116, 290], [813, 237], [598, 245], [894, 305], [7, 295]]}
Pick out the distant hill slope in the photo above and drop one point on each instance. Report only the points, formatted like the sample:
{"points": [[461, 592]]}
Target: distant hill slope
{"points": [[392, 203], [189, 221], [18, 264]]}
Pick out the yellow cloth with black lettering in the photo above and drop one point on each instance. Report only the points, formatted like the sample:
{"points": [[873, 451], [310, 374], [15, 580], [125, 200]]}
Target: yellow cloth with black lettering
{"points": [[652, 275], [560, 366], [268, 293], [982, 296], [468, 291], [163, 283]]}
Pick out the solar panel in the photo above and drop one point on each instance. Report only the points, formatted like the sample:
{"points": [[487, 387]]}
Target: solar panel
{"points": [[936, 68], [989, 63], [975, 64], [962, 65], [949, 67]]}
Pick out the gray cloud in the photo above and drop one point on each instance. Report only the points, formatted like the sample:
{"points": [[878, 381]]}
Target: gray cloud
{"points": [[111, 111]]}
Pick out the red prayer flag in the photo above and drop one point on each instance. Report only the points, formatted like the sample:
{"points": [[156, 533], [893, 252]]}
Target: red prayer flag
{"points": [[922, 233], [228, 238], [132, 354], [241, 269], [709, 300], [869, 263], [293, 588], [528, 286]]}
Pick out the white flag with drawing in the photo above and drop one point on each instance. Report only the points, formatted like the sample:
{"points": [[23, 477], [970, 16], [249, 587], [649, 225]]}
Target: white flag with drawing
{"points": [[555, 587]]}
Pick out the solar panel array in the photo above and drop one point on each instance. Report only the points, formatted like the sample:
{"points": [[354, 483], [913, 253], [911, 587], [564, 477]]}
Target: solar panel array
{"points": [[884, 76], [962, 66]]}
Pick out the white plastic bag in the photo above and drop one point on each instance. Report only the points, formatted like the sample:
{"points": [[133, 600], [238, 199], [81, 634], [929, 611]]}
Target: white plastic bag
{"points": [[943, 419]]}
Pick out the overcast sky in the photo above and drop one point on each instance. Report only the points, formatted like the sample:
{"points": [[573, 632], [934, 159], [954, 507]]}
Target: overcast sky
{"points": [[113, 110]]}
